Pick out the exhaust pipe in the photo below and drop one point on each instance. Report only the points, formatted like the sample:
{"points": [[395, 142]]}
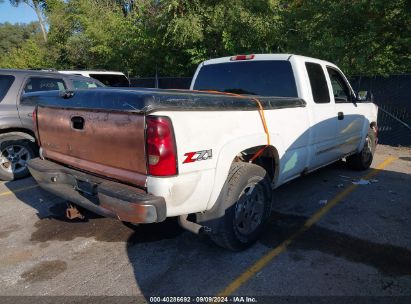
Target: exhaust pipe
{"points": [[191, 226]]}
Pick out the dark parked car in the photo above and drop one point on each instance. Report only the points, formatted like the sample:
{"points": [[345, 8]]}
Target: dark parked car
{"points": [[17, 140]]}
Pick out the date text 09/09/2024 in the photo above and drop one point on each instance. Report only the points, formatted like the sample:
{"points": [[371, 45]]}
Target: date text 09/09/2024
{"points": [[203, 299]]}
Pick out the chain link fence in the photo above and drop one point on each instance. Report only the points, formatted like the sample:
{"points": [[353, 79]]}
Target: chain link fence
{"points": [[392, 94]]}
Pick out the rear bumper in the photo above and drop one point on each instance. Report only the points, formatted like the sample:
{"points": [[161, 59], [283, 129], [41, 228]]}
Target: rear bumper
{"points": [[107, 198]]}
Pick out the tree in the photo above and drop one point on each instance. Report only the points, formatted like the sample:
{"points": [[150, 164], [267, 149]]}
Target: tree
{"points": [[189, 32], [21, 46], [363, 37], [37, 6], [92, 34], [171, 37], [29, 55], [13, 35]]}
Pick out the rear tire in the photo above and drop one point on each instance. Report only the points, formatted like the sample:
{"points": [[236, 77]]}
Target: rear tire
{"points": [[247, 192], [15, 150], [363, 159]]}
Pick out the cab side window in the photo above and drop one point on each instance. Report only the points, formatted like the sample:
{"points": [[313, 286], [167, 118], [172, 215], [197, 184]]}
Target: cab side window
{"points": [[37, 84], [318, 82], [79, 84], [341, 90]]}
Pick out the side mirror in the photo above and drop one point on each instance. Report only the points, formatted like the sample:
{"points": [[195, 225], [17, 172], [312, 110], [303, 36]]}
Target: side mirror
{"points": [[364, 96]]}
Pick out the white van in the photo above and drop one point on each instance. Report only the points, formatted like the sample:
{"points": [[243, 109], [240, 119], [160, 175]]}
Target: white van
{"points": [[109, 78]]}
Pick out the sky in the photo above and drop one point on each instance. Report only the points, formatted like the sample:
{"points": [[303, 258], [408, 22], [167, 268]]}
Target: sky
{"points": [[21, 14]]}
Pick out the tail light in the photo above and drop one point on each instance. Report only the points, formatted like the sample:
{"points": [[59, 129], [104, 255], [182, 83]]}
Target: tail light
{"points": [[242, 57], [36, 131], [161, 146]]}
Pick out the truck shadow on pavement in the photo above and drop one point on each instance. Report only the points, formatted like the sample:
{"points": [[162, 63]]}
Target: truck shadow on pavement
{"points": [[188, 266], [169, 261], [388, 259], [57, 227], [53, 225]]}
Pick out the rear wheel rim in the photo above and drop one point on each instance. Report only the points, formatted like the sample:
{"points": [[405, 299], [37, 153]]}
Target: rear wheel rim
{"points": [[249, 211], [13, 158]]}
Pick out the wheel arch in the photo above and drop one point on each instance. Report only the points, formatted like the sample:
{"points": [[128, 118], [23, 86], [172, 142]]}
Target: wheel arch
{"points": [[17, 136], [368, 125], [234, 152], [26, 133]]}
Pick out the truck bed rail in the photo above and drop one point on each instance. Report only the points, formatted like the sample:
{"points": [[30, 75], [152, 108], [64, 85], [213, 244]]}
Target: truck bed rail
{"points": [[146, 101]]}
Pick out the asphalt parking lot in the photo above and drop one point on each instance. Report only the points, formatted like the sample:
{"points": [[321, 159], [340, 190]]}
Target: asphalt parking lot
{"points": [[327, 237]]}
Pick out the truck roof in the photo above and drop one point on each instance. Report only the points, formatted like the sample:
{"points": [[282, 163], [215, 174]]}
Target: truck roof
{"points": [[267, 57]]}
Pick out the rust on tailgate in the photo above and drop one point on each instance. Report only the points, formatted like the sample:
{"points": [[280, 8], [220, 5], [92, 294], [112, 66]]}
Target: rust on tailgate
{"points": [[109, 144]]}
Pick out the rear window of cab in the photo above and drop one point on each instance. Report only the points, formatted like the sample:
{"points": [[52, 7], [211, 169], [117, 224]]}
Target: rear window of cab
{"points": [[263, 78]]}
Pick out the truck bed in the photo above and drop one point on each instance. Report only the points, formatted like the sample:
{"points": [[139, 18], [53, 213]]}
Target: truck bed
{"points": [[102, 131]]}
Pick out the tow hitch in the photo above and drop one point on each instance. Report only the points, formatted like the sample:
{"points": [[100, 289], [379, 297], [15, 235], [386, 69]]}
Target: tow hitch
{"points": [[72, 212]]}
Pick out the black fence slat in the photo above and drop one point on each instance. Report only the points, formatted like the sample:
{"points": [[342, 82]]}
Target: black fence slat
{"points": [[163, 82], [392, 94]]}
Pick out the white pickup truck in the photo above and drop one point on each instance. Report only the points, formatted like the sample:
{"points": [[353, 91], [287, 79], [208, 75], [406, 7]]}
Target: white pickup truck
{"points": [[211, 158]]}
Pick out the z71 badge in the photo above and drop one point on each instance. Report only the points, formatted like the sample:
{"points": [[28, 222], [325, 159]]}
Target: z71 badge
{"points": [[199, 155]]}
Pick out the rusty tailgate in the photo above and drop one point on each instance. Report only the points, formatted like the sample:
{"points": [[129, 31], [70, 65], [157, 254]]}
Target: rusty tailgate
{"points": [[105, 143]]}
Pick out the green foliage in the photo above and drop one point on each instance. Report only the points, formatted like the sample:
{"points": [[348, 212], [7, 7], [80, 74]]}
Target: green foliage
{"points": [[38, 6], [362, 37], [21, 46], [88, 34], [368, 37], [31, 55], [183, 33], [13, 35]]}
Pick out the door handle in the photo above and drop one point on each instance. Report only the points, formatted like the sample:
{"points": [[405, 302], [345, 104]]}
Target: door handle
{"points": [[340, 115]]}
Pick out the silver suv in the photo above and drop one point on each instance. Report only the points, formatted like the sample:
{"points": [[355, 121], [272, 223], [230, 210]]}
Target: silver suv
{"points": [[17, 140]]}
